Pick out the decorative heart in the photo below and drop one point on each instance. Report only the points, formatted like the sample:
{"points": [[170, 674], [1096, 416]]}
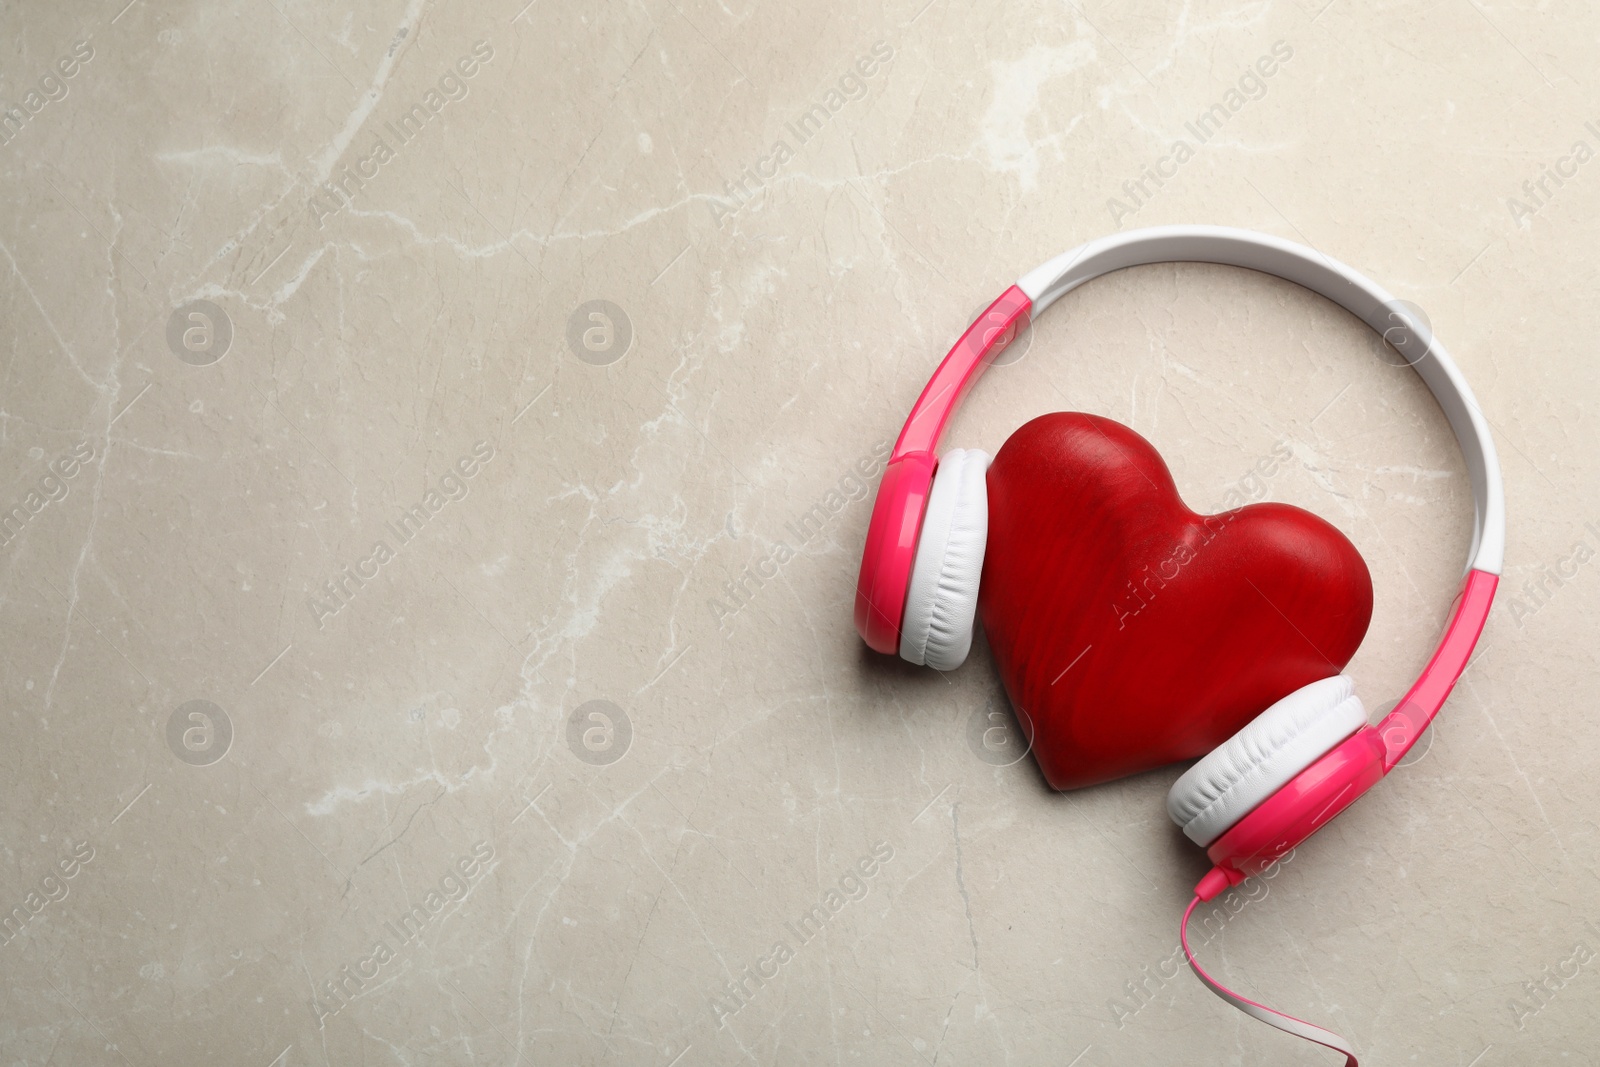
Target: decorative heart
{"points": [[1132, 632]]}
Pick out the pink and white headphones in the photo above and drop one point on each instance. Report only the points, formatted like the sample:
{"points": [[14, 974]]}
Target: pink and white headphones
{"points": [[1307, 757]]}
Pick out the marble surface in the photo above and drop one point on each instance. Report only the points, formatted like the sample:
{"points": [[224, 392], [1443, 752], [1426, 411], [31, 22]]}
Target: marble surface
{"points": [[416, 650]]}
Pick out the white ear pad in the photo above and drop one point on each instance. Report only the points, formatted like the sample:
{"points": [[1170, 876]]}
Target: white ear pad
{"points": [[942, 598], [1260, 759]]}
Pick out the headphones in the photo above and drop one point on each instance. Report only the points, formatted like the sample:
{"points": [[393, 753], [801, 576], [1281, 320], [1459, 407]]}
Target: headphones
{"points": [[1307, 757]]}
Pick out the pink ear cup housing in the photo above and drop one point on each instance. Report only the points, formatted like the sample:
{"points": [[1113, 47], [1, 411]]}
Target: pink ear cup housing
{"points": [[1332, 783], [891, 549], [1295, 812], [1253, 764]]}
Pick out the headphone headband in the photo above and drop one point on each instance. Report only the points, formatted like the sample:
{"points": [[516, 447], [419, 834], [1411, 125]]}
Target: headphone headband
{"points": [[908, 477]]}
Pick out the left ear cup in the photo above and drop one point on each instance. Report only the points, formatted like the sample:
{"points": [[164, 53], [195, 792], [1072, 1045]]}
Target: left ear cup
{"points": [[1260, 759], [942, 597]]}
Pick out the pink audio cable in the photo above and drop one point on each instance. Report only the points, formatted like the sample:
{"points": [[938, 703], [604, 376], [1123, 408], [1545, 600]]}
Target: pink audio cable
{"points": [[1287, 1023]]}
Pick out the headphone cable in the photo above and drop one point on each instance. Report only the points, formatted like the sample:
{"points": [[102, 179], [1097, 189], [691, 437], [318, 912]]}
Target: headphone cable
{"points": [[1287, 1023]]}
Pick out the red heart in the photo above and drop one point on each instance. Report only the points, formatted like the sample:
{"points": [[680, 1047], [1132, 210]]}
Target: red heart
{"points": [[1131, 632]]}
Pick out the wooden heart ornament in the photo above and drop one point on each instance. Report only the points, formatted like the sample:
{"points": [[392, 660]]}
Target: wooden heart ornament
{"points": [[1131, 632]]}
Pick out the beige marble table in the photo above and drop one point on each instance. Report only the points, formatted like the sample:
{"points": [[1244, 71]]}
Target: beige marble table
{"points": [[435, 450]]}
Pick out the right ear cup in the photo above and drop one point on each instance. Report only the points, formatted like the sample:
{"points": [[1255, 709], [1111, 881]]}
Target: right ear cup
{"points": [[942, 597], [1260, 759]]}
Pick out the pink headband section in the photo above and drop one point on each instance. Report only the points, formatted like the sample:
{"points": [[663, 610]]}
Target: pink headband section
{"points": [[903, 494]]}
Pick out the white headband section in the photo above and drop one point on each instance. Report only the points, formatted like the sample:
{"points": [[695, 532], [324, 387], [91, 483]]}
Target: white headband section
{"points": [[1360, 296]]}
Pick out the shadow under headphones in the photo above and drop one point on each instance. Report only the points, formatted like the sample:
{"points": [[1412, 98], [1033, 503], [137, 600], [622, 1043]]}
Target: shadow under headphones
{"points": [[1307, 757]]}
